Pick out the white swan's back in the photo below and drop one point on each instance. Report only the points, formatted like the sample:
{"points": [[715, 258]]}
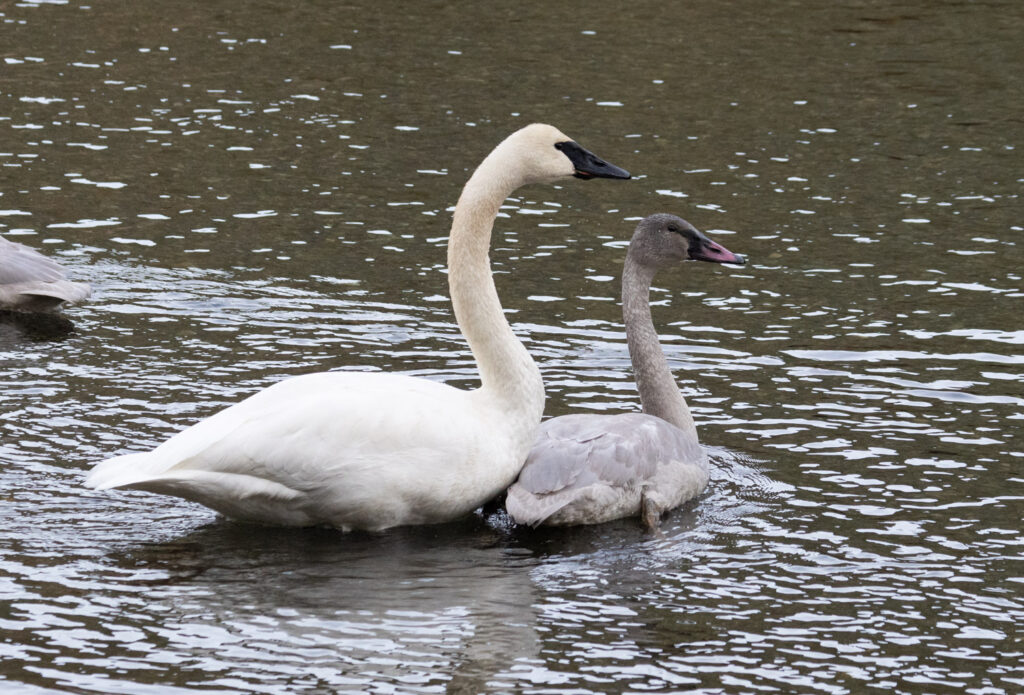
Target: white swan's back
{"points": [[371, 450]]}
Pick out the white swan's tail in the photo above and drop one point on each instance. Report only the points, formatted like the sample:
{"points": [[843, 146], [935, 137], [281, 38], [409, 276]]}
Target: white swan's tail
{"points": [[243, 497], [62, 290], [121, 471]]}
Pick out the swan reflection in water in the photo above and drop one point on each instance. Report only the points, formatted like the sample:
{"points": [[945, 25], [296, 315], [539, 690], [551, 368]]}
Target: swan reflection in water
{"points": [[16, 327], [462, 605], [450, 603]]}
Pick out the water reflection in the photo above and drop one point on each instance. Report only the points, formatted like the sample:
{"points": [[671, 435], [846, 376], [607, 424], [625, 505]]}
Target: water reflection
{"points": [[16, 327], [465, 610], [311, 610]]}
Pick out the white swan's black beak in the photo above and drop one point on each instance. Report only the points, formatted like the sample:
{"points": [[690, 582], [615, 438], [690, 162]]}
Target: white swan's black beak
{"points": [[588, 165]]}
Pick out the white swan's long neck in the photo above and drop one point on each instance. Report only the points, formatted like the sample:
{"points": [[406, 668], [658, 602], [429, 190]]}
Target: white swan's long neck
{"points": [[659, 394], [507, 371]]}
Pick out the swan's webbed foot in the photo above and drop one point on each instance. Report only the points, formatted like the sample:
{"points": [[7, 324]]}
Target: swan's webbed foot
{"points": [[650, 513]]}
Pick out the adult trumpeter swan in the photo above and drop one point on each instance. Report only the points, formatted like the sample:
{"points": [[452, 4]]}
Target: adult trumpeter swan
{"points": [[31, 282], [587, 469], [370, 450]]}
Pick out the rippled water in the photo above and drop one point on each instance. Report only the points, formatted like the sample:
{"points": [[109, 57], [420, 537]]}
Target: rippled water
{"points": [[257, 190]]}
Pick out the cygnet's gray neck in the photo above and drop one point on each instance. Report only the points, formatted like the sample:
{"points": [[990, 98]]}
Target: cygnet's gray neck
{"points": [[659, 394]]}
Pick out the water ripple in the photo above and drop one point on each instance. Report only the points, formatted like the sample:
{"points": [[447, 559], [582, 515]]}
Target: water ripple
{"points": [[262, 193]]}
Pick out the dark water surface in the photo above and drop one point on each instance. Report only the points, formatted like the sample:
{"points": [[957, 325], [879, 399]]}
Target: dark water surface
{"points": [[263, 189]]}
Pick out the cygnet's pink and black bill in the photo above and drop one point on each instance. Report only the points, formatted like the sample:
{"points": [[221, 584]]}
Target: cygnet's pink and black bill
{"points": [[588, 165], [703, 249]]}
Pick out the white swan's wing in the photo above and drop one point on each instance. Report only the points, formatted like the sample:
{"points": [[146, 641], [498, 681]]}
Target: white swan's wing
{"points": [[341, 448], [599, 464]]}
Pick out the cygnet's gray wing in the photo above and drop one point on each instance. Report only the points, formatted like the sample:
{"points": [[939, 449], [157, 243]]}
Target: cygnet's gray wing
{"points": [[30, 280], [575, 455]]}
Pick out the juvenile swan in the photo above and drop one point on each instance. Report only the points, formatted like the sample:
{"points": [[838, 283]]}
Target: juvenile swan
{"points": [[31, 282], [587, 469], [370, 450]]}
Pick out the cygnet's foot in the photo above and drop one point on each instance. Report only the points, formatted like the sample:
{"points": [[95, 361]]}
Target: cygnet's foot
{"points": [[650, 514]]}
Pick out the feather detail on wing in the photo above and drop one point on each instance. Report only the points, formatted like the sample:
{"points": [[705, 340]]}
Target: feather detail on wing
{"points": [[63, 290], [21, 264], [601, 463], [26, 273]]}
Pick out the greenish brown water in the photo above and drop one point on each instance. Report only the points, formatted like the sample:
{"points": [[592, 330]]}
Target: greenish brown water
{"points": [[257, 190]]}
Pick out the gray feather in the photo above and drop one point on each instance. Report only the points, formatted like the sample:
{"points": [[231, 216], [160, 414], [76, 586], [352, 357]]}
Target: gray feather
{"points": [[592, 468], [29, 281]]}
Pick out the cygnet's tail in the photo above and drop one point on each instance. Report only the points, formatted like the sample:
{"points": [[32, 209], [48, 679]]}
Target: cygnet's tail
{"points": [[530, 509]]}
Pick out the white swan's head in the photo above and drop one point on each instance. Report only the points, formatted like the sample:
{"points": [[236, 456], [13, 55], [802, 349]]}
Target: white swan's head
{"points": [[541, 153], [662, 239]]}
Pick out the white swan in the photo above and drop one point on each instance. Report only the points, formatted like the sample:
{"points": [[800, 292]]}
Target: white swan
{"points": [[31, 282], [587, 469], [370, 450]]}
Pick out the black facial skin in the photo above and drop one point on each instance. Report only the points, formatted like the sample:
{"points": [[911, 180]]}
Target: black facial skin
{"points": [[587, 164]]}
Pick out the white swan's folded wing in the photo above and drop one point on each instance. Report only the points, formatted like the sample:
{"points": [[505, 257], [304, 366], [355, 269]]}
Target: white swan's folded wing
{"points": [[314, 449]]}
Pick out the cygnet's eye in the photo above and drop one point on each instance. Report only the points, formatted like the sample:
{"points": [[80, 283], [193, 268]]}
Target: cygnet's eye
{"points": [[673, 228]]}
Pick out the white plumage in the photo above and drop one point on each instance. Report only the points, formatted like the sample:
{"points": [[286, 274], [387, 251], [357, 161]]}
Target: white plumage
{"points": [[370, 450], [354, 450]]}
